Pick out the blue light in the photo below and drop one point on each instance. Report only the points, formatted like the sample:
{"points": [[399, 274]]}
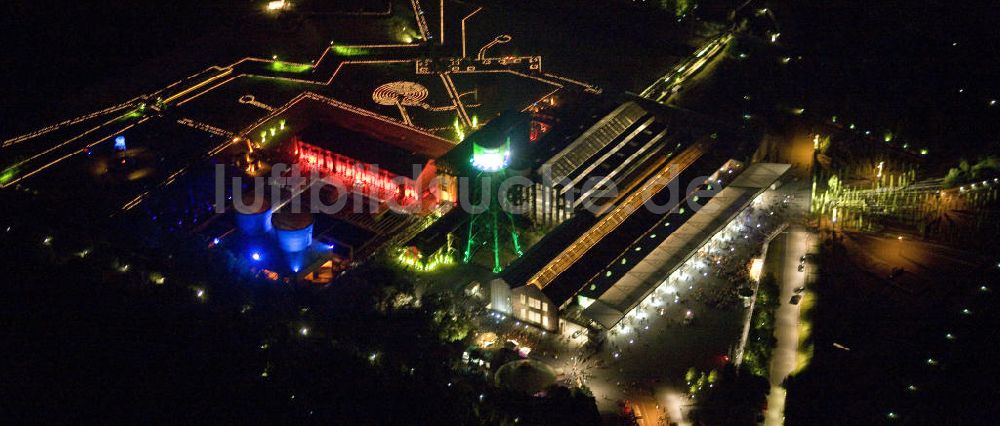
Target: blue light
{"points": [[296, 261], [215, 241], [255, 256], [295, 240], [119, 143]]}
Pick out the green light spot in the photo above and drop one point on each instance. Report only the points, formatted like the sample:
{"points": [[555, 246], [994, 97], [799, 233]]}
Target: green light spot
{"points": [[349, 51], [7, 176], [281, 66], [137, 112]]}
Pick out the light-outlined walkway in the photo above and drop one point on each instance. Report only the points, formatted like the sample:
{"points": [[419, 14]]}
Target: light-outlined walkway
{"points": [[323, 72]]}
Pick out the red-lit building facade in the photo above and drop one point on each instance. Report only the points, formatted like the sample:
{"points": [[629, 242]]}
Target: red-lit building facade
{"points": [[357, 176]]}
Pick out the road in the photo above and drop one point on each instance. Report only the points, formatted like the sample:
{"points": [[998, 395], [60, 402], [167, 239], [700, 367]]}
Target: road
{"points": [[783, 261]]}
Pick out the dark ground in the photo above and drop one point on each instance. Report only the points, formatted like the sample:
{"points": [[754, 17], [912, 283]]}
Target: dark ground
{"points": [[892, 331]]}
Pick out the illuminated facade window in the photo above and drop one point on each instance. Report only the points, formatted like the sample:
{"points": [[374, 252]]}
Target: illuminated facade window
{"points": [[358, 176], [534, 303], [532, 307]]}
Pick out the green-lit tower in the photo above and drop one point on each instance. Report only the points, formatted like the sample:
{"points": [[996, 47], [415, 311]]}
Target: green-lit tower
{"points": [[490, 224]]}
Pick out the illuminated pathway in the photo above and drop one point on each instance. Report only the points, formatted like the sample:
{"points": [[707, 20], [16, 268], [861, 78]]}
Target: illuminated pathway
{"points": [[783, 261], [418, 13], [324, 70], [663, 89], [456, 99], [54, 155], [45, 130]]}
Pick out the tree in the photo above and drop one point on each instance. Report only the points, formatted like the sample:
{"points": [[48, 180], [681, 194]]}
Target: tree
{"points": [[736, 399], [691, 375]]}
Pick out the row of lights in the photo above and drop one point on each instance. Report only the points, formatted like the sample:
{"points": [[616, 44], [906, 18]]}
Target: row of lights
{"points": [[984, 183], [696, 264], [933, 362], [122, 267]]}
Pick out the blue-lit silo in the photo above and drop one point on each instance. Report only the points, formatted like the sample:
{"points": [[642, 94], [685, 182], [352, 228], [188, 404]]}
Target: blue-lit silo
{"points": [[253, 214], [293, 230]]}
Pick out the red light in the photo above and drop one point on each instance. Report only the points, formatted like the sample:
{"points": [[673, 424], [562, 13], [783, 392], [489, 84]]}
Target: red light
{"points": [[363, 177]]}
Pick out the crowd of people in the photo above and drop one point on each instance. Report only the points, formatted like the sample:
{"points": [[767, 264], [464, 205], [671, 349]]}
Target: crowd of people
{"points": [[731, 263]]}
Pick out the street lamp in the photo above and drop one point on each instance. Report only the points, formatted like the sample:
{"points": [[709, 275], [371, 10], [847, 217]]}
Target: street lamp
{"points": [[276, 5]]}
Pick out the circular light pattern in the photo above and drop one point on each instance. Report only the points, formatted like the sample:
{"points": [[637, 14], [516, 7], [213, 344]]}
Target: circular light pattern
{"points": [[406, 93]]}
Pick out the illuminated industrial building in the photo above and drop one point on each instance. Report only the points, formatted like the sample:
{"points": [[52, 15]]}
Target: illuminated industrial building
{"points": [[253, 216], [601, 285], [383, 173], [630, 281], [639, 150], [491, 155], [293, 230], [607, 153], [365, 178], [412, 184]]}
